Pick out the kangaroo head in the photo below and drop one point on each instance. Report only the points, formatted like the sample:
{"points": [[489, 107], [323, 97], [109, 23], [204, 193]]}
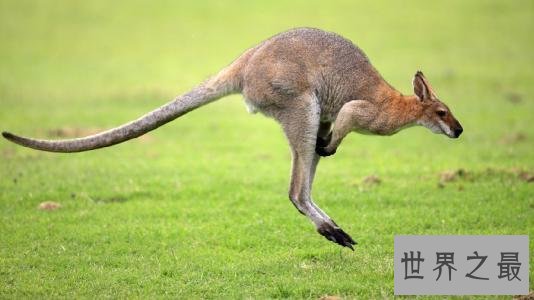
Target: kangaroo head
{"points": [[435, 116]]}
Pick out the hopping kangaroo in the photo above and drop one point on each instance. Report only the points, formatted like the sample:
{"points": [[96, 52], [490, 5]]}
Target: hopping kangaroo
{"points": [[318, 85]]}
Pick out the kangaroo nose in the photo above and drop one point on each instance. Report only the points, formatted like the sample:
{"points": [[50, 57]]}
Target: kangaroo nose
{"points": [[458, 131]]}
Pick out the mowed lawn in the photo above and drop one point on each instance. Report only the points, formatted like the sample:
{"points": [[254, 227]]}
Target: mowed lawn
{"points": [[199, 208]]}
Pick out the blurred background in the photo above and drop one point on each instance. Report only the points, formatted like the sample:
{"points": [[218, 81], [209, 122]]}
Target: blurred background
{"points": [[199, 208]]}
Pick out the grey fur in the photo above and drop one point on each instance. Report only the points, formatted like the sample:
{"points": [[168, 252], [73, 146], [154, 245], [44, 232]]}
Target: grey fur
{"points": [[181, 105], [318, 86]]}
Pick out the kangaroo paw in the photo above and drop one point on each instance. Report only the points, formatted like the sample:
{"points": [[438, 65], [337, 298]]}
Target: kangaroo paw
{"points": [[322, 151], [336, 235], [323, 142]]}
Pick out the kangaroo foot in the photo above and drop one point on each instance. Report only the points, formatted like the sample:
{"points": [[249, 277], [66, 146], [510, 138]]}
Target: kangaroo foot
{"points": [[336, 235]]}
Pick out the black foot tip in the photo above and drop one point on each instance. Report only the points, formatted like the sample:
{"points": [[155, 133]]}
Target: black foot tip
{"points": [[336, 235]]}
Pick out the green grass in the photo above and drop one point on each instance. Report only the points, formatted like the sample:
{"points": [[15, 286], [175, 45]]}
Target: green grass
{"points": [[199, 208]]}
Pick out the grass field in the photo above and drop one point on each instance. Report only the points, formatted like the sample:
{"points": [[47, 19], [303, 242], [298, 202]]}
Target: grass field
{"points": [[199, 208]]}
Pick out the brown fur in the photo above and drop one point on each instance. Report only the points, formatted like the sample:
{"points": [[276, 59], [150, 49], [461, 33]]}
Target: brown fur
{"points": [[318, 85]]}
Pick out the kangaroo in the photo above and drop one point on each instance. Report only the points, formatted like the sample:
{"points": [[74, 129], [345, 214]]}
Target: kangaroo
{"points": [[318, 85]]}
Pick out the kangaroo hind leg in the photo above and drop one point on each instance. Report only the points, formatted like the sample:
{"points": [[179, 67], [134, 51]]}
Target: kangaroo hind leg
{"points": [[301, 126]]}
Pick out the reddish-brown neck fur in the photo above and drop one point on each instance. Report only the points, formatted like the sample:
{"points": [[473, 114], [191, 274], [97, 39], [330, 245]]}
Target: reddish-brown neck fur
{"points": [[408, 109], [399, 110]]}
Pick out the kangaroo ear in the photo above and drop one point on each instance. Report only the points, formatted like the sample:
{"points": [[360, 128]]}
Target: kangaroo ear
{"points": [[422, 88]]}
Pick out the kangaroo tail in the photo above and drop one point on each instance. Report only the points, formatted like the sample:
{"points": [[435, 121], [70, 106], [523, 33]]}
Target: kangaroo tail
{"points": [[209, 91]]}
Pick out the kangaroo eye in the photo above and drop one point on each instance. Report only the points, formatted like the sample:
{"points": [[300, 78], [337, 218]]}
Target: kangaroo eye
{"points": [[441, 113]]}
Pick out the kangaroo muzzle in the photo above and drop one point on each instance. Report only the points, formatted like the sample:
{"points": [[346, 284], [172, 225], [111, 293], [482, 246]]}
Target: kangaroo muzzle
{"points": [[457, 130]]}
